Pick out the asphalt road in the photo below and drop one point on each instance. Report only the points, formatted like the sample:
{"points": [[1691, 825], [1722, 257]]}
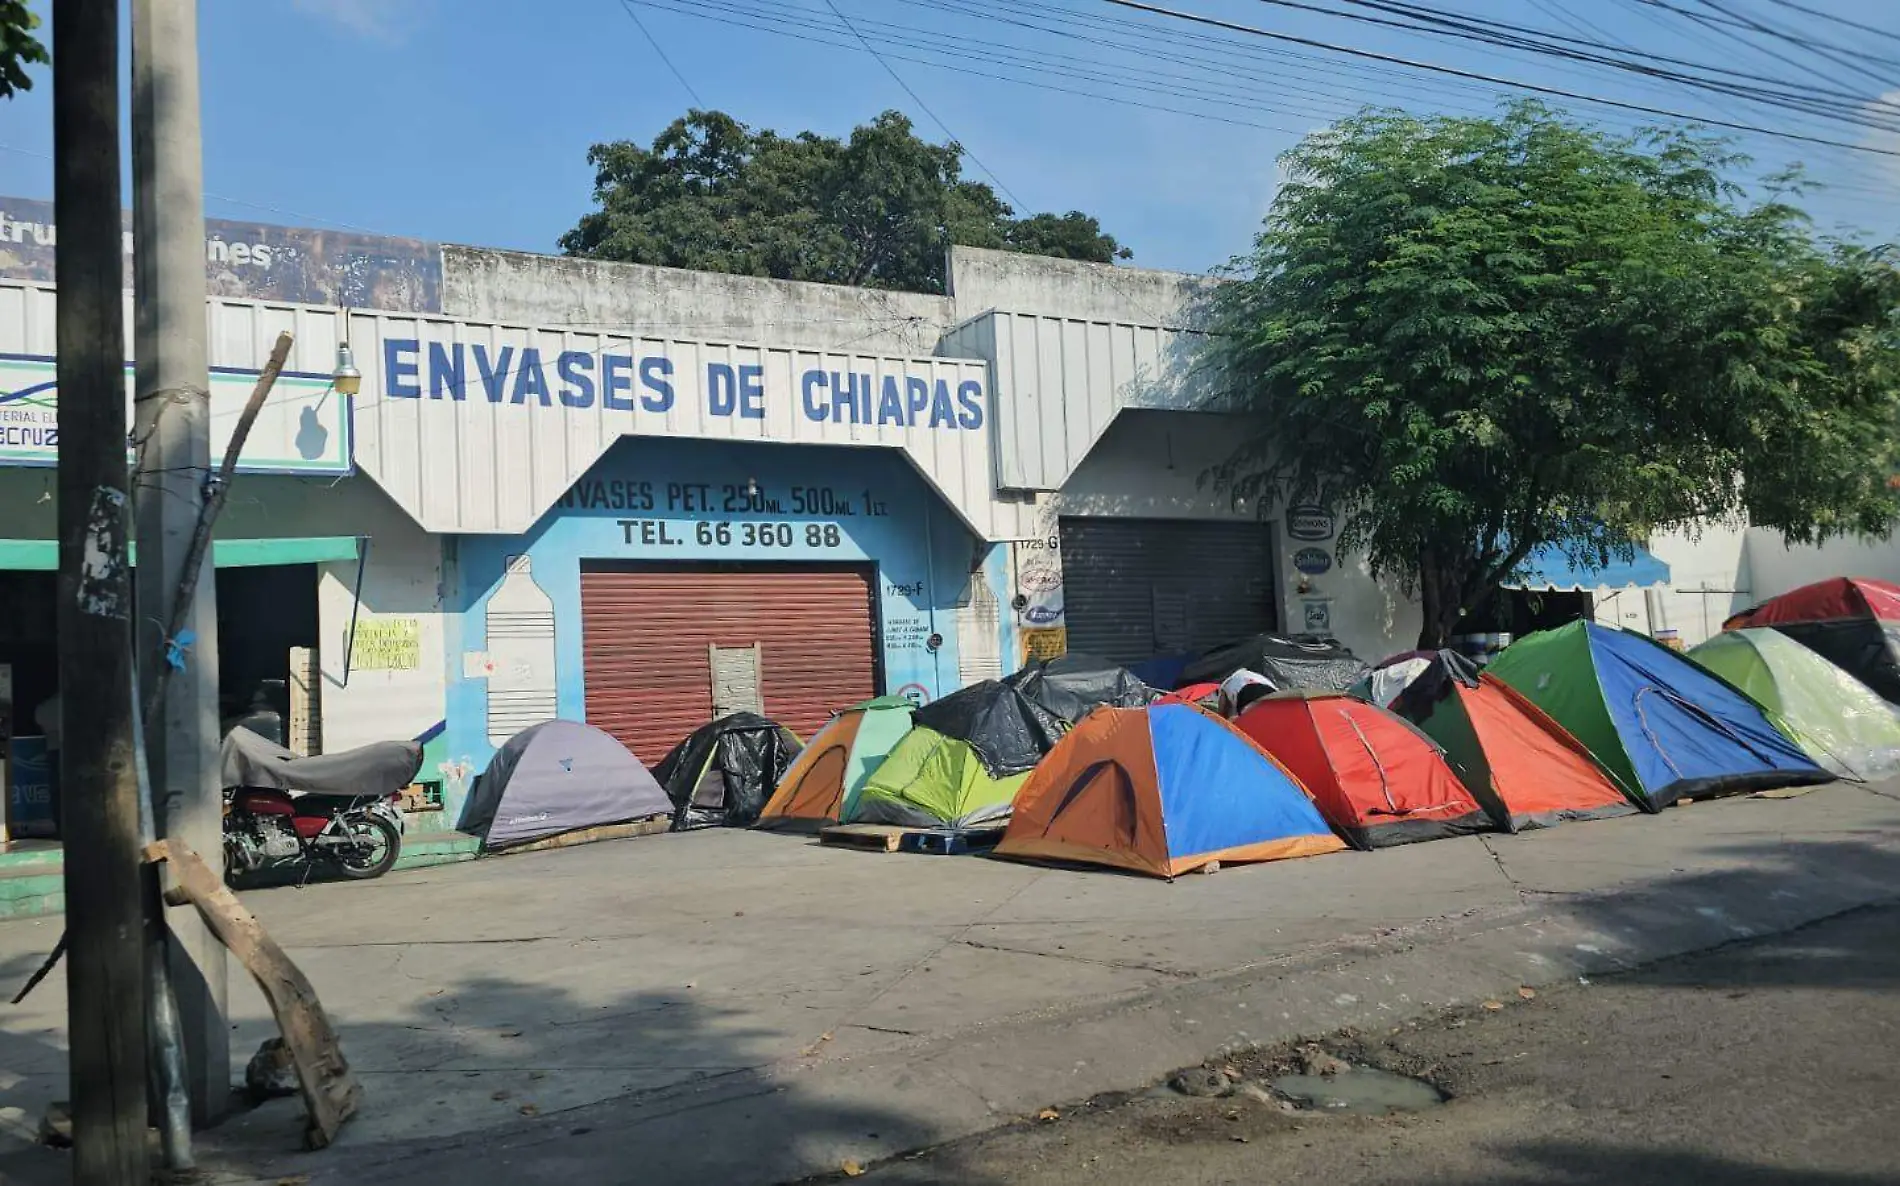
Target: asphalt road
{"points": [[1773, 1063]]}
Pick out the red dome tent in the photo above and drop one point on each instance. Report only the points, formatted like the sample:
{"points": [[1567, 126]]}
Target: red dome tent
{"points": [[1376, 778], [1852, 621]]}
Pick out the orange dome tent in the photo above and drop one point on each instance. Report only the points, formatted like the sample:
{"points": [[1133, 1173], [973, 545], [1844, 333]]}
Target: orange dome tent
{"points": [[1376, 778], [1162, 790], [1506, 748]]}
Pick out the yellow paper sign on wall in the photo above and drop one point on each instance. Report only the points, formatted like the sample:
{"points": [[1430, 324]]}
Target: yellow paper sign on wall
{"points": [[1044, 642], [387, 644]]}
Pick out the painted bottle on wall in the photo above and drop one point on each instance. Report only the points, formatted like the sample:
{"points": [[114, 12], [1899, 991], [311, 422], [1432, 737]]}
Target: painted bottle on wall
{"points": [[521, 689]]}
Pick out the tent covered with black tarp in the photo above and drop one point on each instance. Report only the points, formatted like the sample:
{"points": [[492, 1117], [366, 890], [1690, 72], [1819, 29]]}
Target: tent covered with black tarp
{"points": [[1306, 663], [1069, 687], [1009, 732], [725, 771]]}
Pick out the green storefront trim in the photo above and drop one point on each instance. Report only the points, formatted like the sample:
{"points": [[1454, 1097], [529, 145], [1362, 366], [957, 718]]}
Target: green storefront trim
{"points": [[42, 555]]}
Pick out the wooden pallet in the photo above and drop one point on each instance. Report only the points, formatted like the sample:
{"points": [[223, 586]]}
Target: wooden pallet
{"points": [[650, 826], [896, 838]]}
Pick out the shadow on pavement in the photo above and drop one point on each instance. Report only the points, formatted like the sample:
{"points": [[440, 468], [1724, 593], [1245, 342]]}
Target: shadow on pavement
{"points": [[489, 1079]]}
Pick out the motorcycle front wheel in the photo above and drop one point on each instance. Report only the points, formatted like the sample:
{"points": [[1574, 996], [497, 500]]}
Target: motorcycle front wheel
{"points": [[375, 846]]}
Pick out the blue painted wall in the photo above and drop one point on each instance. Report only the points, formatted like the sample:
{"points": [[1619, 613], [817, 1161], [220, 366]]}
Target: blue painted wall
{"points": [[653, 500]]}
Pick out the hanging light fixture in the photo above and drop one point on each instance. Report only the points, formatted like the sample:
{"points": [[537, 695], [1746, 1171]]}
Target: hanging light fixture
{"points": [[346, 378]]}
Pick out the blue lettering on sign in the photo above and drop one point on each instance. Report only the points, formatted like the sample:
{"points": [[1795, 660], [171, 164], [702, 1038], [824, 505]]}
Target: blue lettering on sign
{"points": [[751, 393], [446, 370], [576, 368], [581, 379], [400, 368], [616, 382], [811, 394], [722, 389], [530, 379], [494, 374], [656, 375]]}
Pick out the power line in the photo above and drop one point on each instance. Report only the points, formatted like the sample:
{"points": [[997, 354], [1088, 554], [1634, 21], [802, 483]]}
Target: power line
{"points": [[1125, 81], [918, 99], [653, 41], [1839, 20], [1826, 102], [1557, 92], [1814, 48]]}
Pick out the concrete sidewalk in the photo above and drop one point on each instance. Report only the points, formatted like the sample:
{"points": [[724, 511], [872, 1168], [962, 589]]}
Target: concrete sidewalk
{"points": [[740, 1007]]}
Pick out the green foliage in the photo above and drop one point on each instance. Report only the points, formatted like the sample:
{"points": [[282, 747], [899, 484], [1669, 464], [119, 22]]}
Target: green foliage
{"points": [[877, 209], [18, 47], [1478, 336]]}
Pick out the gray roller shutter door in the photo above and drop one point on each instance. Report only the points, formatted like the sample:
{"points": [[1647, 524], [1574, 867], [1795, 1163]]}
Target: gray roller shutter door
{"points": [[1137, 588]]}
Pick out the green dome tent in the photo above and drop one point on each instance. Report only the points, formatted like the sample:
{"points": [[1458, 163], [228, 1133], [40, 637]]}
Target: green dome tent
{"points": [[930, 780], [1841, 723]]}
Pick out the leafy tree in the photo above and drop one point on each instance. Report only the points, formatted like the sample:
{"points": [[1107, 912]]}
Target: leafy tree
{"points": [[875, 209], [18, 47], [1474, 337]]}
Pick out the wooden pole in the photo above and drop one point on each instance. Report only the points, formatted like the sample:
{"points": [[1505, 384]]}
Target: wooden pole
{"points": [[99, 816]]}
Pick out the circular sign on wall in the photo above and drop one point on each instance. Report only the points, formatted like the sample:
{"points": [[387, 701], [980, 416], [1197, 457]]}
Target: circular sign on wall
{"points": [[1309, 522], [1313, 561], [915, 693]]}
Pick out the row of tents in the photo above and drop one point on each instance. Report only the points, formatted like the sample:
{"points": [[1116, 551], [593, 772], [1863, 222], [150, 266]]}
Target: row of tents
{"points": [[1081, 761]]}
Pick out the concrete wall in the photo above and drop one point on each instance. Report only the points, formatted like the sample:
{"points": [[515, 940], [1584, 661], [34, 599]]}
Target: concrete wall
{"points": [[1709, 580], [481, 284], [982, 280], [1153, 465], [923, 557], [1777, 568]]}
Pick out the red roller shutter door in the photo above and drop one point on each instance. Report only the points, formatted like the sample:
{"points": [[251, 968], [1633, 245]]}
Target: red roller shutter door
{"points": [[646, 634]]}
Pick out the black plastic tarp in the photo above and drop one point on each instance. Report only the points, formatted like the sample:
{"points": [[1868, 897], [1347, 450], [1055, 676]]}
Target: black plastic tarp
{"points": [[1071, 686], [1305, 663], [1008, 731], [381, 768], [1422, 695], [723, 774]]}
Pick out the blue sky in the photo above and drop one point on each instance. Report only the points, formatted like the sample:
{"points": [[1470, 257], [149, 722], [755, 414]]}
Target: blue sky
{"points": [[469, 120]]}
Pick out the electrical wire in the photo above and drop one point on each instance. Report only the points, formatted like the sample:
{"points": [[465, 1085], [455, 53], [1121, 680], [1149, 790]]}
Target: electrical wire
{"points": [[634, 16], [923, 106], [1124, 81], [1839, 20], [1515, 84]]}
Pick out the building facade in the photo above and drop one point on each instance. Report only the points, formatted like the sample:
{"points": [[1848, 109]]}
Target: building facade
{"points": [[640, 497]]}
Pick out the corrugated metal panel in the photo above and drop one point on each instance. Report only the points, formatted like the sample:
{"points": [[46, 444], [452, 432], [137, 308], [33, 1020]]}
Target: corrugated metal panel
{"points": [[476, 467], [1137, 588], [1058, 382], [480, 466], [647, 631]]}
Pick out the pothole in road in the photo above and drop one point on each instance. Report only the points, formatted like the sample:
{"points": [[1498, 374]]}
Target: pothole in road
{"points": [[1361, 1091]]}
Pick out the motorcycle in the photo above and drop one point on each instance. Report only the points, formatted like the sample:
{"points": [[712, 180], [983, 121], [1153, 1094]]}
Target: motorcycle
{"points": [[333, 810]]}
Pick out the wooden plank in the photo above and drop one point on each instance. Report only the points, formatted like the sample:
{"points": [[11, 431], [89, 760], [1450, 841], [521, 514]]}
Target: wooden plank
{"points": [[877, 837], [643, 827], [898, 838], [330, 1092]]}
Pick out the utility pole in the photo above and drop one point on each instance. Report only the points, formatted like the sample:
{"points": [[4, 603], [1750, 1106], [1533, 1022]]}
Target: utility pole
{"points": [[173, 439], [99, 805]]}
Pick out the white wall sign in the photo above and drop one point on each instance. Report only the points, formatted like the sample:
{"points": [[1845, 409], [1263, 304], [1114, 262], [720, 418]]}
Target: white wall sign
{"points": [[303, 429]]}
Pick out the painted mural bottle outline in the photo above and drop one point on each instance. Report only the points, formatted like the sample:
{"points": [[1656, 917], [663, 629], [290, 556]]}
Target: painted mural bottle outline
{"points": [[521, 692]]}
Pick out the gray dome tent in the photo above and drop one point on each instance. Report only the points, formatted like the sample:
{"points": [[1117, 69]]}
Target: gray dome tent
{"points": [[559, 776]]}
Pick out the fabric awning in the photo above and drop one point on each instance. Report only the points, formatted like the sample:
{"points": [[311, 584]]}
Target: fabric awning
{"points": [[1548, 568], [42, 555]]}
